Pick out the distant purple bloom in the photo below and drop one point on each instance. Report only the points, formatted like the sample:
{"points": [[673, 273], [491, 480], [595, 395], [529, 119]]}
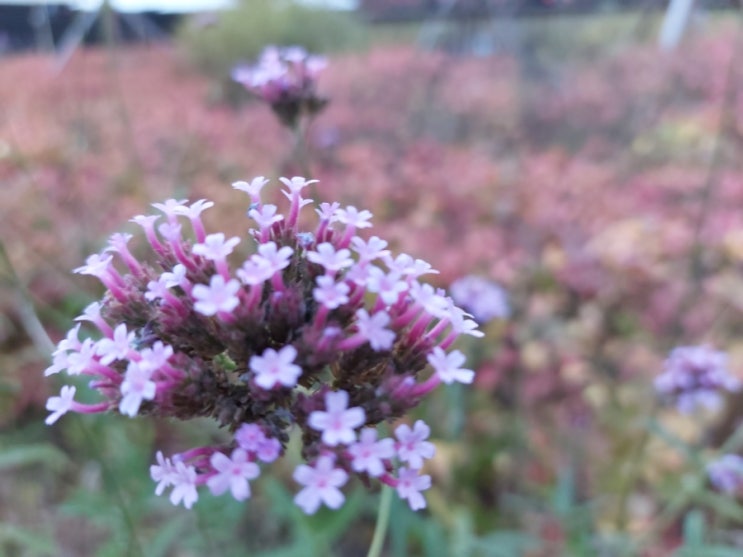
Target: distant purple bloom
{"points": [[695, 376], [481, 297], [726, 473]]}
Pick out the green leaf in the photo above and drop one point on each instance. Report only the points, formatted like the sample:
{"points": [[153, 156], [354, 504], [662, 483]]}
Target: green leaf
{"points": [[506, 544], [694, 529], [29, 455], [723, 505], [33, 542], [710, 551], [167, 535]]}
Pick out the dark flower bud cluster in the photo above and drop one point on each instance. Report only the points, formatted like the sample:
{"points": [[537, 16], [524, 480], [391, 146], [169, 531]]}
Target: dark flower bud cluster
{"points": [[285, 78], [320, 331]]}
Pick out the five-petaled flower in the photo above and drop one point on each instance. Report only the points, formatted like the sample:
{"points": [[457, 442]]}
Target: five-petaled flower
{"points": [[276, 368], [321, 483], [338, 422]]}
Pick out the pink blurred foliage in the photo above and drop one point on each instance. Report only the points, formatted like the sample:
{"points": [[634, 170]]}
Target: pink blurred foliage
{"points": [[589, 196]]}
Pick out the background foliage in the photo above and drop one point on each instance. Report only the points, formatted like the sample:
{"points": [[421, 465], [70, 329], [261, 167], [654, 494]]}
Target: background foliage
{"points": [[598, 180]]}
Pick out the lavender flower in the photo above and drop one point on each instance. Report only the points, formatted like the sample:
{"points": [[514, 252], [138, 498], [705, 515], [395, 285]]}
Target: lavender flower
{"points": [[726, 473], [286, 79], [318, 330], [695, 376], [484, 299]]}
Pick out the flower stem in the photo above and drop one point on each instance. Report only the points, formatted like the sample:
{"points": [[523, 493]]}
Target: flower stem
{"points": [[383, 519]]}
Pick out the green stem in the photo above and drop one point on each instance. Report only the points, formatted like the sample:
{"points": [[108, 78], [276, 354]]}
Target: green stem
{"points": [[383, 519]]}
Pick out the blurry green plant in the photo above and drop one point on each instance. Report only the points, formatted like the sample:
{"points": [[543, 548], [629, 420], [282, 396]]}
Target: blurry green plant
{"points": [[240, 34]]}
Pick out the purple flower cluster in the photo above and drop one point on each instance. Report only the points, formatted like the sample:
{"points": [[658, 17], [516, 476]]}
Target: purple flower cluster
{"points": [[285, 78], [726, 473], [483, 298], [695, 376], [322, 330]]}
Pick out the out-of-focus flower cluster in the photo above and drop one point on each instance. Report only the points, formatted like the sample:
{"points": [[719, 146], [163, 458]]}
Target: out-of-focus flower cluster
{"points": [[483, 298], [285, 78], [321, 330], [726, 473], [694, 377]]}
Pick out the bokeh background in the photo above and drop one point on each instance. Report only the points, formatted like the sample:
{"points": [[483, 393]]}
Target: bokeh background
{"points": [[557, 149]]}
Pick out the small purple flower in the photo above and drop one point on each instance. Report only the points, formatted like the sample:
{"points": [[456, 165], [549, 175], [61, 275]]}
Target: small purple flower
{"points": [[371, 249], [448, 366], [265, 216], [116, 348], [219, 296], [726, 473], [389, 286], [276, 258], [96, 265], [337, 422], [373, 329], [332, 260], [296, 184], [351, 216], [252, 188], [183, 480], [60, 405], [695, 376], [215, 247], [172, 207], [412, 446], [321, 483], [232, 473], [155, 357], [483, 298], [368, 453], [274, 368], [80, 360], [286, 79], [136, 387], [255, 271], [329, 293], [252, 438], [163, 473], [409, 486]]}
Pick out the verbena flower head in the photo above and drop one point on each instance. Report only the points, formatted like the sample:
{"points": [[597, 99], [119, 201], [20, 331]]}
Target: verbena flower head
{"points": [[726, 473], [694, 377], [317, 330], [483, 298], [286, 78]]}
